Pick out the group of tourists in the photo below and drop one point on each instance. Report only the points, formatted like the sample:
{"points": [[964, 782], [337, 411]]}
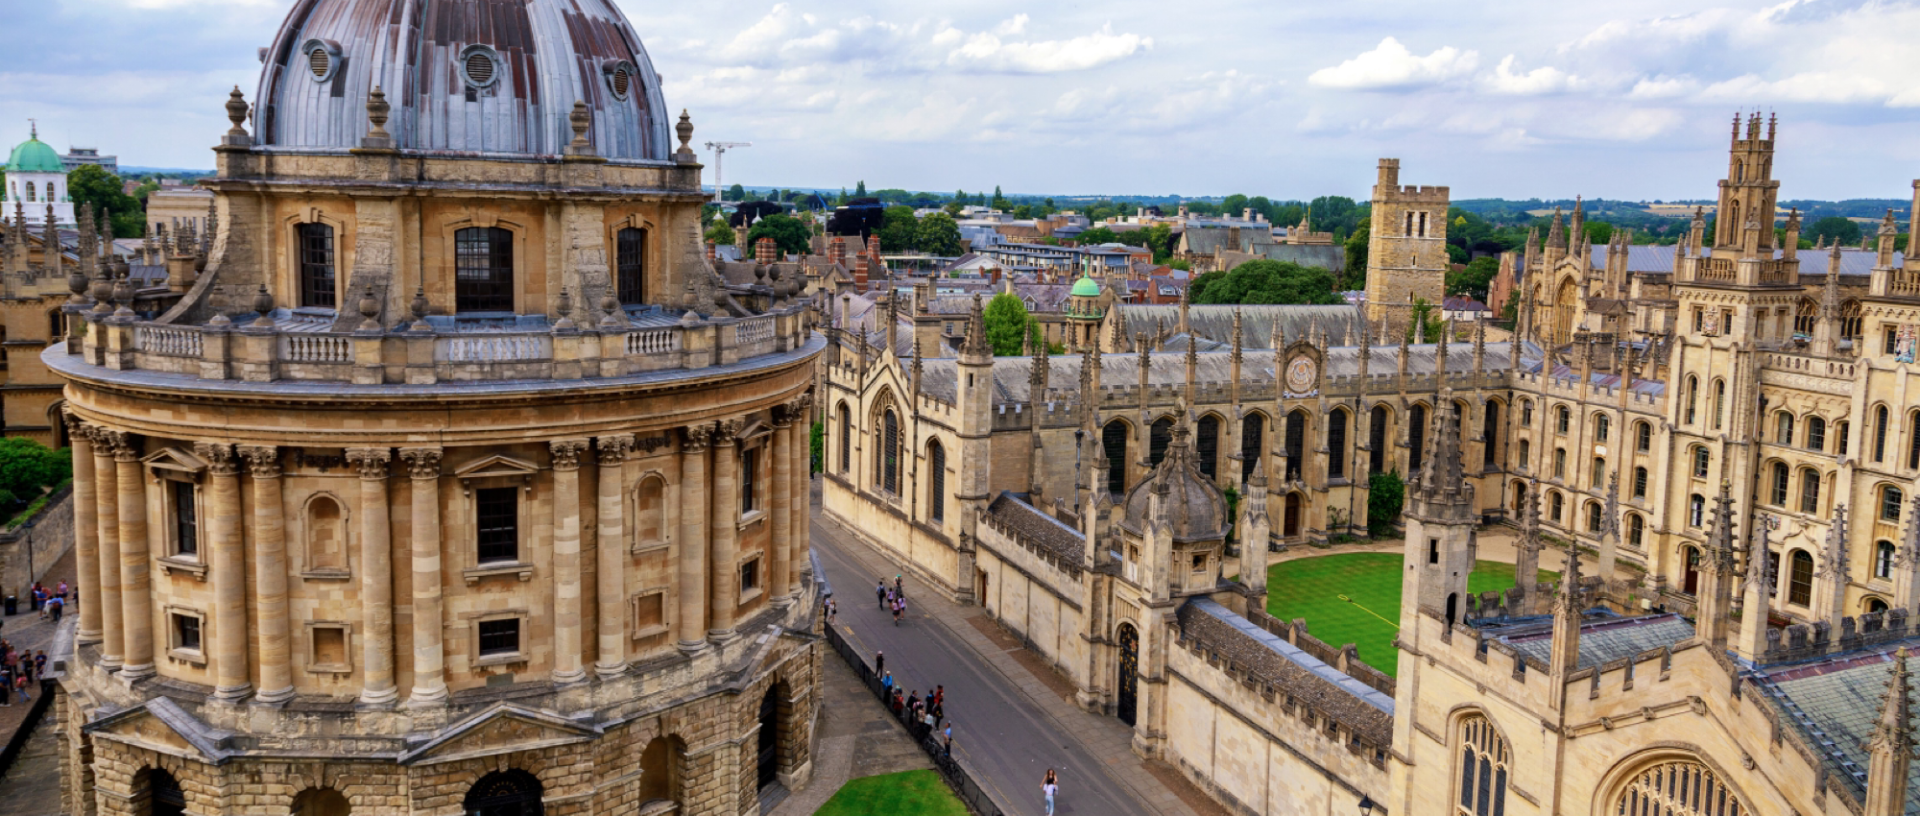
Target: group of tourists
{"points": [[49, 602], [892, 598], [20, 669]]}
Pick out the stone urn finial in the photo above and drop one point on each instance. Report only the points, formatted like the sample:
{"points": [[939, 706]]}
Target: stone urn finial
{"points": [[377, 110], [684, 129], [419, 308], [611, 315], [237, 112], [263, 306], [581, 119], [369, 310], [564, 308]]}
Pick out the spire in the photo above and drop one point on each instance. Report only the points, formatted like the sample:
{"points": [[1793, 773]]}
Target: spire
{"points": [[1716, 593], [975, 345], [1557, 233], [1526, 566], [1890, 753], [1756, 589], [1236, 339], [1565, 650], [1577, 225], [1835, 568], [1906, 562]]}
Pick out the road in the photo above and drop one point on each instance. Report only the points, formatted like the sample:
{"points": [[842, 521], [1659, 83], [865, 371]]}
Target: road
{"points": [[1001, 735]]}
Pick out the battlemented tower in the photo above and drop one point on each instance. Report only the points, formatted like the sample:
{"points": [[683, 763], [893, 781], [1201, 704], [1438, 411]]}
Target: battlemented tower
{"points": [[1407, 247]]}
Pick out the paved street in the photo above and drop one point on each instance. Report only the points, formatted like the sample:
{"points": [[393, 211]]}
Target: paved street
{"points": [[1009, 724]]}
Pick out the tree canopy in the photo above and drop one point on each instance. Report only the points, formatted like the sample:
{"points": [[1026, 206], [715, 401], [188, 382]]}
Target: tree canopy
{"points": [[1355, 276], [1266, 282], [28, 469], [1835, 228], [939, 234], [720, 233], [92, 184], [1473, 280], [1428, 316], [1006, 322], [788, 234]]}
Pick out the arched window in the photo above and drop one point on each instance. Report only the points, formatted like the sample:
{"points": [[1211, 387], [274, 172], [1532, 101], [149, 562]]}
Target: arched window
{"points": [[1596, 517], [1562, 420], [1490, 435], [889, 451], [1779, 484], [1876, 605], [1816, 434], [1850, 321], [1377, 440], [30, 196], [1599, 472], [846, 438], [1602, 424], [1809, 490], [1559, 463], [937, 481], [1693, 389], [1800, 578], [1113, 438], [157, 793], [1883, 559], [1890, 500], [1484, 760], [1416, 437], [1679, 788], [1702, 461], [1643, 436], [1337, 444], [317, 279], [1783, 430], [483, 270], [1880, 433], [1158, 437], [1554, 505], [512, 792], [1636, 531], [1696, 510], [1719, 403], [1526, 454], [660, 770], [1913, 440], [1206, 445], [1805, 315], [1526, 413], [1296, 444], [320, 802], [1639, 482], [630, 282], [1251, 429]]}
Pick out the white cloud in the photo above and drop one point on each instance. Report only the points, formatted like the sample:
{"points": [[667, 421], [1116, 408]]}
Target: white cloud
{"points": [[1391, 66], [1543, 80], [986, 51]]}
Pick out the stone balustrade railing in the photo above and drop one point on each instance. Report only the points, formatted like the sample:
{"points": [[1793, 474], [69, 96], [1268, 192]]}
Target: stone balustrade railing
{"points": [[267, 354]]}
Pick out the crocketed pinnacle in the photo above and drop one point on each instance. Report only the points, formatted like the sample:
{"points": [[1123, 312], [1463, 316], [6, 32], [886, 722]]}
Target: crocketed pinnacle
{"points": [[1557, 233], [1720, 534], [1440, 491], [1893, 729], [975, 344]]}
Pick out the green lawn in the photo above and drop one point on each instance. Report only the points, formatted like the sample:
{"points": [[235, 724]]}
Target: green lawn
{"points": [[1310, 588], [908, 793]]}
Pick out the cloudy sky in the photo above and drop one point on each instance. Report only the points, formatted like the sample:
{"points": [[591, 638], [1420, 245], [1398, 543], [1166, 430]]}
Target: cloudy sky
{"points": [[1626, 99]]}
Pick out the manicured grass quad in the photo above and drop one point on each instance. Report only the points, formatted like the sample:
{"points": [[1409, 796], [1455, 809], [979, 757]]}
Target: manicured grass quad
{"points": [[908, 793], [1310, 588]]}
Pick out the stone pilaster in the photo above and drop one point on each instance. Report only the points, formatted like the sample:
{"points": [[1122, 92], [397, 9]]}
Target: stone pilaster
{"points": [[270, 575], [693, 536], [568, 651], [611, 551], [86, 531], [800, 500], [136, 593], [780, 505], [377, 686], [228, 572], [429, 658], [106, 499], [724, 596]]}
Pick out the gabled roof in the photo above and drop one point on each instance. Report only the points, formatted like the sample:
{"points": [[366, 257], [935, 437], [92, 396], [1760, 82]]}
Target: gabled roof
{"points": [[1256, 322], [1834, 703]]}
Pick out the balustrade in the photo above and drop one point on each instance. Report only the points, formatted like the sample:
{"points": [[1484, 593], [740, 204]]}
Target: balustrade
{"points": [[315, 348], [167, 342]]}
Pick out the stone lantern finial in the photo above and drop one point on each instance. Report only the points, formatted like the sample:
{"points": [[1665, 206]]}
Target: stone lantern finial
{"points": [[685, 154], [378, 109], [581, 120]]}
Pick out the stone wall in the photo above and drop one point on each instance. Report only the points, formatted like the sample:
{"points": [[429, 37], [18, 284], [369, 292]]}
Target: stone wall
{"points": [[38, 542]]}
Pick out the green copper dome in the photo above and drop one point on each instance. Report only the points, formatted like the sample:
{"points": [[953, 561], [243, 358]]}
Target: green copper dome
{"points": [[34, 156], [1085, 287]]}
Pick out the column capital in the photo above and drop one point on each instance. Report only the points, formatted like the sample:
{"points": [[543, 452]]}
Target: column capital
{"points": [[76, 427], [422, 463], [371, 462], [263, 461], [695, 438], [566, 453], [118, 443], [613, 450], [219, 456], [726, 432]]}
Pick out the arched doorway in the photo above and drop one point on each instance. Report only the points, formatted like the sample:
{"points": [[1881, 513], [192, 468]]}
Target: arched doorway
{"points": [[659, 770], [1453, 608], [157, 793], [1291, 528], [320, 802], [1519, 498], [1127, 696], [1690, 579], [511, 792], [770, 733]]}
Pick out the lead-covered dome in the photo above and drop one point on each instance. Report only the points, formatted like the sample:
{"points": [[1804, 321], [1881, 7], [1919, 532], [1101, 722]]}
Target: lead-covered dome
{"points": [[463, 76]]}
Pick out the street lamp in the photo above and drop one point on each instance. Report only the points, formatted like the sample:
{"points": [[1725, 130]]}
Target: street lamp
{"points": [[1366, 805]]}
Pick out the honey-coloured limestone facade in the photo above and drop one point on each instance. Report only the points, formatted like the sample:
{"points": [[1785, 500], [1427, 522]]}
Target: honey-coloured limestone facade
{"points": [[450, 478]]}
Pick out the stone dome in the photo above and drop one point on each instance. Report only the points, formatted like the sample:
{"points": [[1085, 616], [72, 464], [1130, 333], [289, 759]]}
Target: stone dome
{"points": [[1195, 509], [34, 156], [470, 77]]}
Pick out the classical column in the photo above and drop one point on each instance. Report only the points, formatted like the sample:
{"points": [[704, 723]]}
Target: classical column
{"points": [[270, 575], [136, 595], [611, 551], [724, 596], [376, 578], [86, 532], [693, 537], [800, 505], [429, 661], [780, 506], [568, 648], [106, 502], [227, 573]]}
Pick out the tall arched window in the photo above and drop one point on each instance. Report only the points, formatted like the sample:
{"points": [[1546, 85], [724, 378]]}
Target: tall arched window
{"points": [[1805, 315], [1850, 321], [1636, 531], [1719, 403], [1809, 490], [846, 438], [1913, 440], [483, 270], [1490, 435], [1159, 435], [889, 451], [1783, 431], [1890, 500], [158, 792], [937, 481], [1596, 517], [1416, 437], [1816, 434], [317, 278], [1113, 438], [1337, 444], [1643, 436], [1800, 578], [1252, 429], [1296, 443], [1554, 505], [1883, 559], [1679, 788], [1702, 461], [1562, 420], [631, 266], [1526, 413], [31, 198], [1484, 759], [1693, 394], [1779, 484], [1841, 436], [1696, 510], [326, 535], [1602, 424], [1599, 472], [1880, 433], [1377, 440], [1206, 445], [1559, 463], [1639, 482]]}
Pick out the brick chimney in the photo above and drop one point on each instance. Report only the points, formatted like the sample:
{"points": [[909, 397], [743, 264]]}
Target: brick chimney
{"points": [[993, 274], [837, 250], [861, 266], [711, 253], [764, 250]]}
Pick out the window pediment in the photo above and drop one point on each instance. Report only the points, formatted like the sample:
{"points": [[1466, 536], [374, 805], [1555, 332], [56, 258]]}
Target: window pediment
{"points": [[175, 463], [496, 467]]}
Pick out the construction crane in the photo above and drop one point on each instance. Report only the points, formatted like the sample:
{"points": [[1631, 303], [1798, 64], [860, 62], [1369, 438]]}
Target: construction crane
{"points": [[720, 151]]}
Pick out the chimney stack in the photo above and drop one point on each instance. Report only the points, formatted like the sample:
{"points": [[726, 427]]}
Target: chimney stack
{"points": [[765, 251]]}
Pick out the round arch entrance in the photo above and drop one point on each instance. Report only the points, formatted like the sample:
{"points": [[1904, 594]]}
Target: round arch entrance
{"points": [[512, 792], [1127, 700]]}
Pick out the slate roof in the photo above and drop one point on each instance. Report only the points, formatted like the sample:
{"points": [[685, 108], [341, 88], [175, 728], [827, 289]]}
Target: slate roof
{"points": [[1348, 700], [1561, 371], [1607, 640], [1256, 322], [1053, 534], [1853, 262], [1834, 702]]}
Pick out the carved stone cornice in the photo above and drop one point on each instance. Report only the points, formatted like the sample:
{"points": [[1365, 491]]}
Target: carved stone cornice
{"points": [[613, 450], [219, 457], [371, 462], [726, 432], [566, 453], [696, 438], [77, 427], [263, 461], [422, 463]]}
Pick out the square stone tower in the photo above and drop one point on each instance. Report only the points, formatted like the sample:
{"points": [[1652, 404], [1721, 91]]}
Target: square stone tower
{"points": [[1407, 248]]}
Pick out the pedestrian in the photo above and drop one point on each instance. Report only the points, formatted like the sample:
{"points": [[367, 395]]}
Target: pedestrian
{"points": [[886, 682], [927, 720], [946, 747], [939, 713], [879, 662], [1050, 786], [913, 699], [880, 592], [896, 612], [899, 590], [21, 684], [939, 694], [58, 605], [63, 591]]}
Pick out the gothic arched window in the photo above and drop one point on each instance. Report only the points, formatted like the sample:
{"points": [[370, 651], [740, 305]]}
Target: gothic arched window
{"points": [[1800, 578], [889, 475], [937, 484], [1484, 760], [1679, 788], [1337, 444]]}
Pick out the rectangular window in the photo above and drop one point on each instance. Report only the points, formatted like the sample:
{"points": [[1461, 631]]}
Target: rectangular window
{"points": [[497, 519], [1891, 342], [186, 522], [483, 270], [749, 468], [186, 633], [316, 267], [1809, 492], [632, 282], [499, 637], [1433, 551], [749, 577], [1640, 483]]}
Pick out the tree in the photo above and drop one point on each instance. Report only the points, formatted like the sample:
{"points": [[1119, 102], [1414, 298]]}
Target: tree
{"points": [[1355, 276], [954, 208], [28, 469], [1006, 321], [736, 193], [939, 235], [899, 230], [1473, 280], [721, 234], [1599, 232], [1098, 236], [1386, 494], [817, 444], [1000, 202], [788, 234], [1834, 228], [1425, 314], [860, 190], [1233, 205], [92, 184], [1266, 282]]}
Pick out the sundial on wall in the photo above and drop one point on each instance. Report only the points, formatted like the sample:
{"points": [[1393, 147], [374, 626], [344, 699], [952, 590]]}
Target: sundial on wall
{"points": [[1302, 374]]}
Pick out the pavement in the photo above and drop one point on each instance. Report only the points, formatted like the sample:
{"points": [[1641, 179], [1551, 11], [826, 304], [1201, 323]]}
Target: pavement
{"points": [[855, 737], [32, 786], [1013, 718]]}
